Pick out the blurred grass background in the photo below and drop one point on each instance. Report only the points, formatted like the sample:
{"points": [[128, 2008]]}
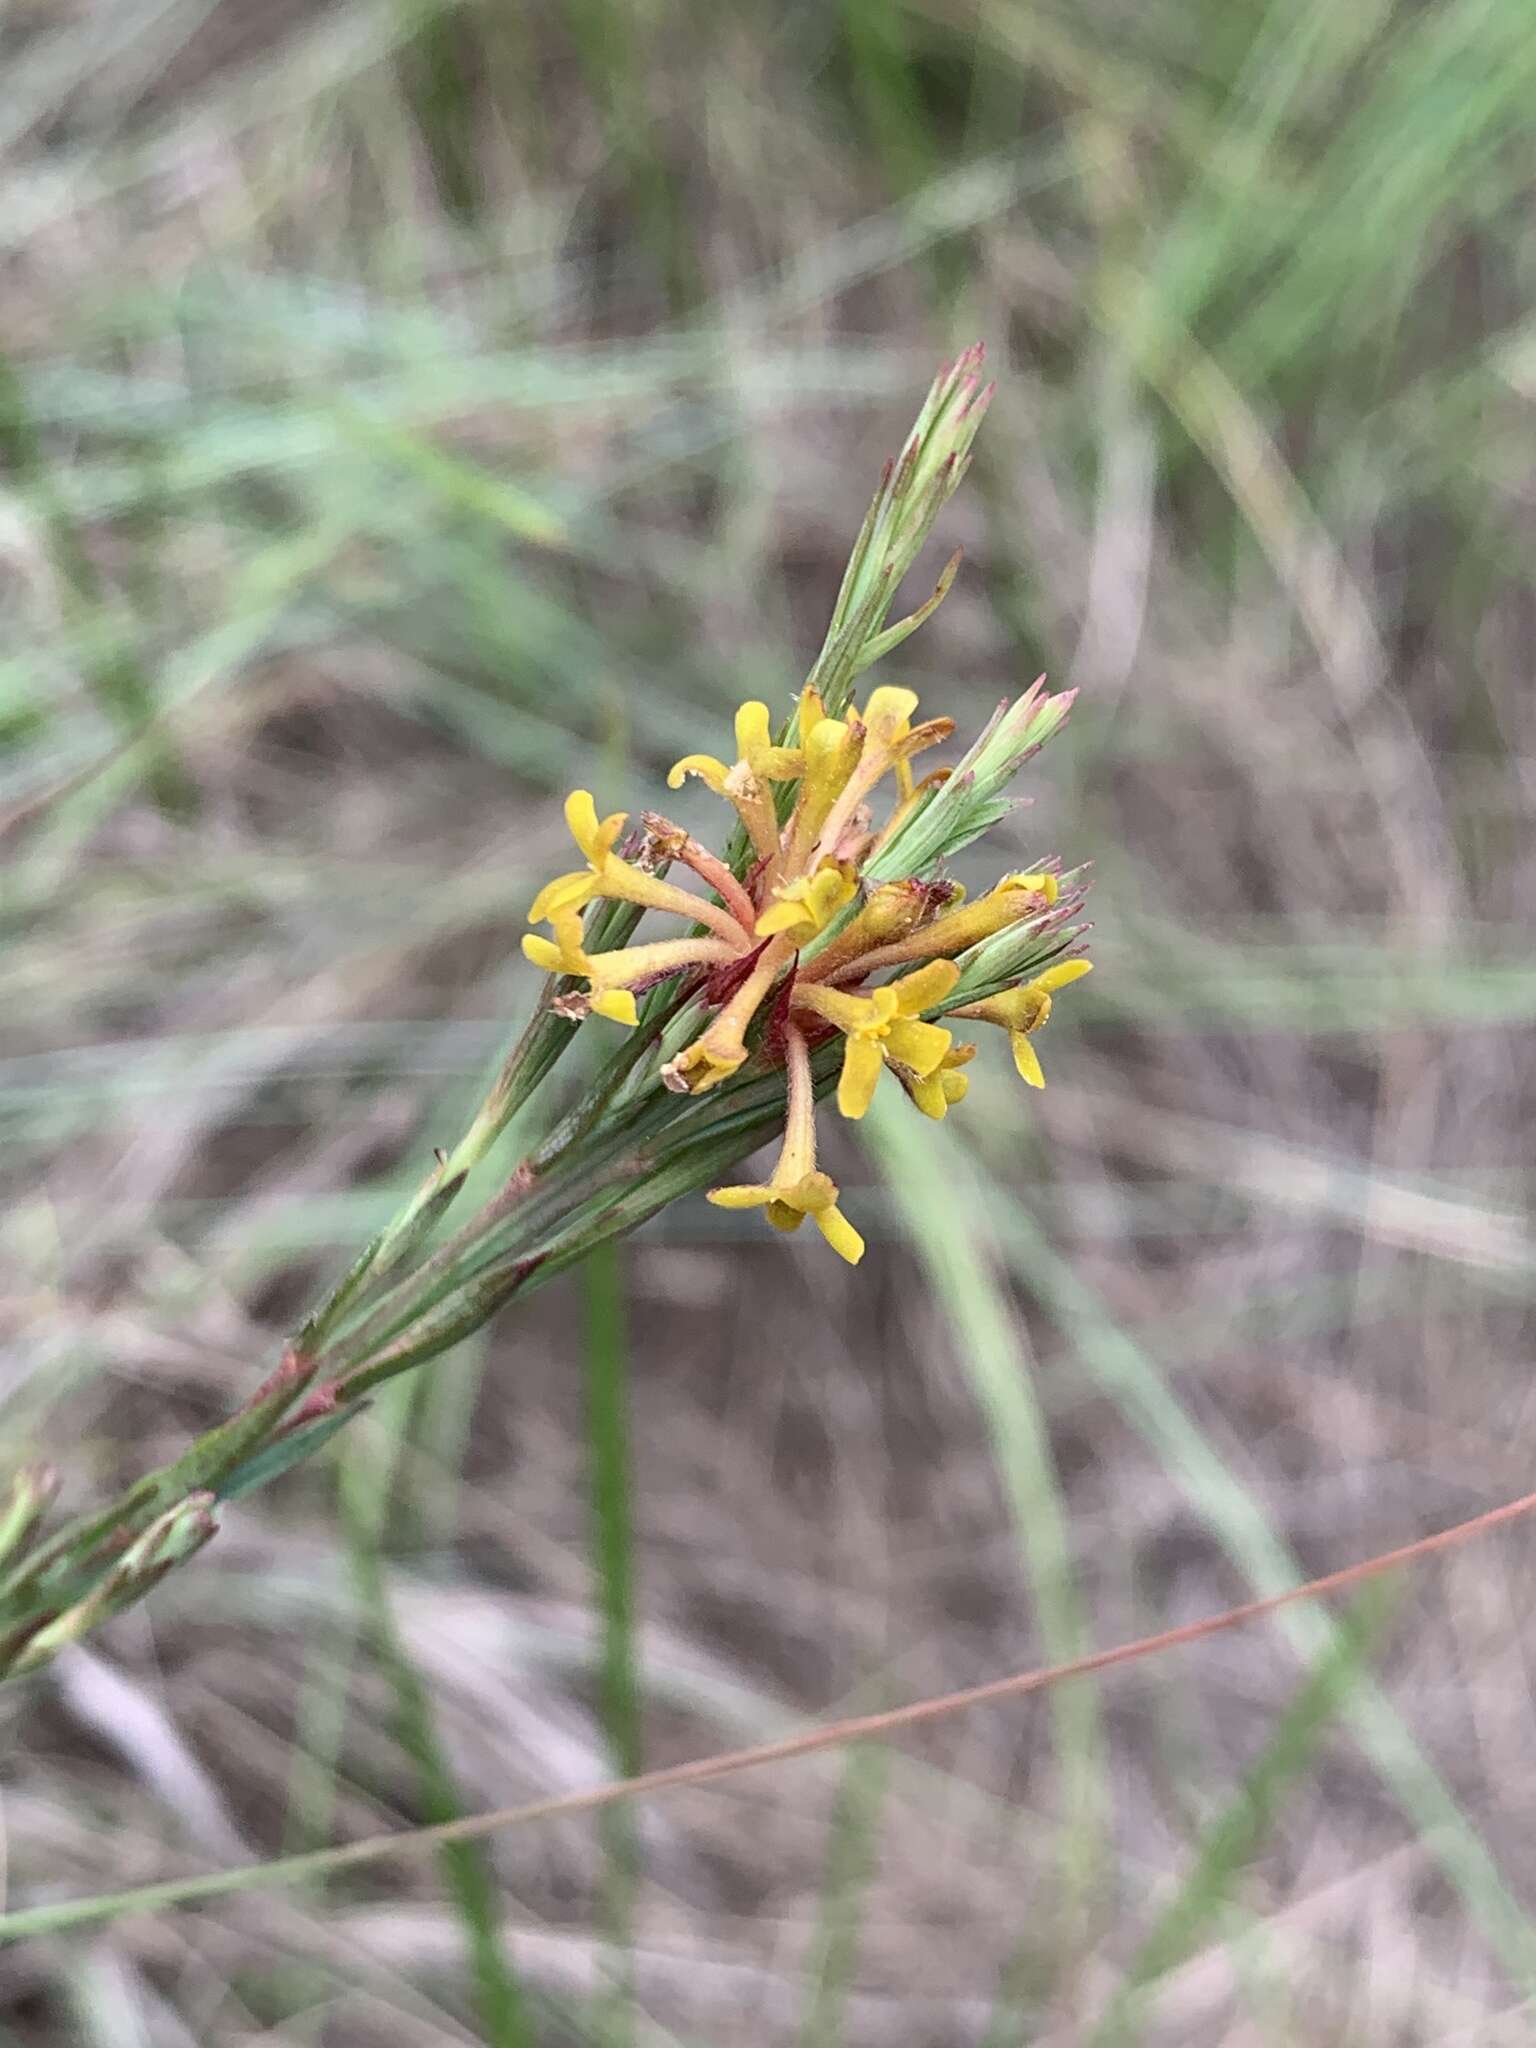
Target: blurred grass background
{"points": [[410, 409]]}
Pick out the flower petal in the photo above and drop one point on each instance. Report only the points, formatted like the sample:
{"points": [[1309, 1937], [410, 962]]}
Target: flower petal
{"points": [[840, 1234], [930, 1096], [929, 985], [862, 1061], [1027, 1060], [711, 773], [919, 1046], [618, 1005], [786, 915], [702, 1066], [886, 714], [753, 735], [847, 1012], [608, 836], [581, 817], [1061, 974], [544, 953], [565, 892], [1042, 884]]}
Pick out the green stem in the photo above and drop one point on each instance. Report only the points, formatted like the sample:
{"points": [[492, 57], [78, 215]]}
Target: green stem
{"points": [[466, 1866]]}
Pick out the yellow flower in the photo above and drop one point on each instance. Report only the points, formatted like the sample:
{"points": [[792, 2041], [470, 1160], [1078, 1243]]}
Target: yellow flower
{"points": [[755, 752], [1022, 1011], [885, 736], [563, 954], [613, 976], [936, 1094], [891, 737], [721, 1049], [606, 875], [711, 1059], [788, 1203], [796, 1189], [1013, 898], [745, 784], [802, 909], [832, 749], [893, 911], [884, 1025], [596, 840]]}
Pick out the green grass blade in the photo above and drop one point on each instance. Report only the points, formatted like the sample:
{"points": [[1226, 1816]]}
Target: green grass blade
{"points": [[947, 1217], [853, 1842], [613, 1555], [467, 1866]]}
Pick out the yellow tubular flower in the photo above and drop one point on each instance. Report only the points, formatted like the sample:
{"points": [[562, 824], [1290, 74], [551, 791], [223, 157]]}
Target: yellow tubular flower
{"points": [[606, 875], [831, 754], [716, 1054], [887, 717], [802, 909], [1013, 898], [758, 762], [613, 975], [796, 1190], [812, 712], [884, 1025], [754, 745], [1022, 1011], [788, 1203], [595, 840], [887, 737]]}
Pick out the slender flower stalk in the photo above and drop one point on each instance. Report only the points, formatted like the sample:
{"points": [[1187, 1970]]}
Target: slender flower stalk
{"points": [[821, 949]]}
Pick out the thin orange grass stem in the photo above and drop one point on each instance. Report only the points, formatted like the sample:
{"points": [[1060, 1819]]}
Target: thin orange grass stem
{"points": [[858, 1728]]}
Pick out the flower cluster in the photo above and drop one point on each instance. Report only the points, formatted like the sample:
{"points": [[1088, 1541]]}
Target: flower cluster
{"points": [[826, 926], [827, 946]]}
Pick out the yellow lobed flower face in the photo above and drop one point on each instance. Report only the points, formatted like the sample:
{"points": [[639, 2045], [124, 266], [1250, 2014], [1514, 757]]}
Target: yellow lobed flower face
{"points": [[788, 1203], [563, 954], [936, 1094], [885, 1025], [802, 909], [889, 734], [594, 838], [704, 1065], [756, 757]]}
